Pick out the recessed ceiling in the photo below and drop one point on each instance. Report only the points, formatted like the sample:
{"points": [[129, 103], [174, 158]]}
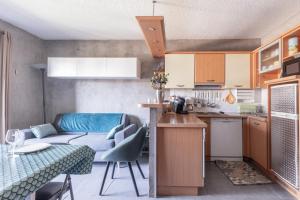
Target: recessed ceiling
{"points": [[115, 19]]}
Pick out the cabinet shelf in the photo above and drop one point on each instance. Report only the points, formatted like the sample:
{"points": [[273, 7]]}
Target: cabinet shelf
{"points": [[291, 56], [270, 58], [271, 69]]}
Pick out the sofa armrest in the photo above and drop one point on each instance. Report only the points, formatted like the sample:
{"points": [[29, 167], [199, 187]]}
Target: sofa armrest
{"points": [[28, 134], [126, 132]]}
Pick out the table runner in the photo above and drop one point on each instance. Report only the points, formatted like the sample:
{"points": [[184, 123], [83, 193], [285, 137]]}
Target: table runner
{"points": [[27, 173]]}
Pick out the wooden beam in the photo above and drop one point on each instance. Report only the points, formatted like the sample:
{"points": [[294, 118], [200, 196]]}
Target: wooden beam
{"points": [[154, 33]]}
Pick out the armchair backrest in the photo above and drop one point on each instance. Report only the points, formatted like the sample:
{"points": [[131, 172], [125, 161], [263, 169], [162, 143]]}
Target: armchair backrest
{"points": [[129, 149]]}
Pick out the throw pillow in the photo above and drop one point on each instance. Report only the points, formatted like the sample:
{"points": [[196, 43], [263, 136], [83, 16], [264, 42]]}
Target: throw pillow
{"points": [[44, 130], [113, 131]]}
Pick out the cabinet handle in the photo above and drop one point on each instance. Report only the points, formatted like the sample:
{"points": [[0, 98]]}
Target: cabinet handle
{"points": [[238, 86], [257, 124], [210, 80], [180, 85]]}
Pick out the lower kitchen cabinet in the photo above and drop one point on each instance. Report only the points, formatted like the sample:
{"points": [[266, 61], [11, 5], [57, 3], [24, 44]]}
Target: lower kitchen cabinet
{"points": [[180, 162], [258, 134]]}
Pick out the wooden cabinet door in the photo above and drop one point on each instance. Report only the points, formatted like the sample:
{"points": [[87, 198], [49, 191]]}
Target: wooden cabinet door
{"points": [[180, 68], [259, 142], [179, 157], [237, 70], [210, 68]]}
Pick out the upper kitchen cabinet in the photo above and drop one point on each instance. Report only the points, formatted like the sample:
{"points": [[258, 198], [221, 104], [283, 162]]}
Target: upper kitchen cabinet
{"points": [[237, 70], [270, 57], [210, 68], [180, 68]]}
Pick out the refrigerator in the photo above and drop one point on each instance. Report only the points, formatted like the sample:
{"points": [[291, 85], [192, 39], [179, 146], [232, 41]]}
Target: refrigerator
{"points": [[285, 132]]}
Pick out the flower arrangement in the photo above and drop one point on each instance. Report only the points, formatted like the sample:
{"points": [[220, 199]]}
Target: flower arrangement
{"points": [[159, 79]]}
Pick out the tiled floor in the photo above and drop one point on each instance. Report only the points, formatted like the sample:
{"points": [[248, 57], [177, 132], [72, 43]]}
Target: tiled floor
{"points": [[218, 187]]}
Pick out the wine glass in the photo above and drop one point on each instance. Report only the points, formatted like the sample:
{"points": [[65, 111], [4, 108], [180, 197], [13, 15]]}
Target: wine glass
{"points": [[11, 139]]}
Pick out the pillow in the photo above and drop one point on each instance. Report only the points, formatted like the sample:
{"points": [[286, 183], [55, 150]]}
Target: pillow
{"points": [[44, 130], [113, 131]]}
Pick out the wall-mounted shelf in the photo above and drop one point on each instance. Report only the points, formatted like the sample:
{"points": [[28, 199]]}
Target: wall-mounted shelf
{"points": [[286, 52], [94, 68]]}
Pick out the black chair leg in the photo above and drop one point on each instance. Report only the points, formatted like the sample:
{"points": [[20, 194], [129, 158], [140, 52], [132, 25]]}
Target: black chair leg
{"points": [[113, 171], [103, 181], [140, 169], [133, 179], [70, 187]]}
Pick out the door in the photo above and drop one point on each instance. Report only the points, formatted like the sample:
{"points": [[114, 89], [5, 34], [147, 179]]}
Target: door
{"points": [[237, 71], [259, 142], [210, 68], [180, 68]]}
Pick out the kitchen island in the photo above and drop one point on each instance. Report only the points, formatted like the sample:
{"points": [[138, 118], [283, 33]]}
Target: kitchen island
{"points": [[175, 173], [180, 154]]}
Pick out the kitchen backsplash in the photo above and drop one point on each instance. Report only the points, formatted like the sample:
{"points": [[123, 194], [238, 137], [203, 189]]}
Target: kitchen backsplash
{"points": [[243, 97]]}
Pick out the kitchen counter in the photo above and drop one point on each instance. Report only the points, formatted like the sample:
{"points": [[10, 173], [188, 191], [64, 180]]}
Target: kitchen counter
{"points": [[180, 154], [181, 120]]}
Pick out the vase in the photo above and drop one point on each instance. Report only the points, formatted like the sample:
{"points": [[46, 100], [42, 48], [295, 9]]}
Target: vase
{"points": [[160, 95]]}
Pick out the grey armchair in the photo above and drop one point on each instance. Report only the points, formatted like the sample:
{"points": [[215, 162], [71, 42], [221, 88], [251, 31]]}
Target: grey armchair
{"points": [[128, 151]]}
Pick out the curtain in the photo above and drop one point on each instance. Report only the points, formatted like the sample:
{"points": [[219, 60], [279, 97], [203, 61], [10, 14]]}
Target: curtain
{"points": [[5, 60]]}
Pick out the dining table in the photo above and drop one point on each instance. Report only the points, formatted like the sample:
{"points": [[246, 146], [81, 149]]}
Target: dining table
{"points": [[23, 175]]}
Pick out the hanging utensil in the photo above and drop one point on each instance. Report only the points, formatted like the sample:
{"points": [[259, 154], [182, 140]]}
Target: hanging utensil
{"points": [[230, 98]]}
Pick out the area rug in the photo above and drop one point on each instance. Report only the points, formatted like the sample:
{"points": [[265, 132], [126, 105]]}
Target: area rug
{"points": [[241, 173]]}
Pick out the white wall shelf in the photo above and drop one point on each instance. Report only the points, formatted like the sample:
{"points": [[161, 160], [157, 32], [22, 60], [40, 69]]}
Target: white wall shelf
{"points": [[94, 68]]}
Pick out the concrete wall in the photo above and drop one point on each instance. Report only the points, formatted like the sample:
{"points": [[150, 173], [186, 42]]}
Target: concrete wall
{"points": [[117, 95], [25, 99]]}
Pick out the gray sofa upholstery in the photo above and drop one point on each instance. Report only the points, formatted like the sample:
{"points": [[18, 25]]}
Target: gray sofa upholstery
{"points": [[95, 140]]}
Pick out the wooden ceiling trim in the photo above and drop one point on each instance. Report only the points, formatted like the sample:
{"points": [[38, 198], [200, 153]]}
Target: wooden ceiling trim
{"points": [[154, 33]]}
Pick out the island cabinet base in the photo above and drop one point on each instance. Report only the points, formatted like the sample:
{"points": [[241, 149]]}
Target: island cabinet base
{"points": [[180, 162], [178, 191]]}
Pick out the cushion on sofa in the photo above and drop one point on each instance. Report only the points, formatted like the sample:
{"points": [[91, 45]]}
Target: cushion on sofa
{"points": [[59, 139], [88, 122], [43, 130], [98, 142], [113, 131]]}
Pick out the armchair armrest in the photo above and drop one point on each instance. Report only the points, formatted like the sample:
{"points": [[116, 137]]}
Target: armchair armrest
{"points": [[126, 132]]}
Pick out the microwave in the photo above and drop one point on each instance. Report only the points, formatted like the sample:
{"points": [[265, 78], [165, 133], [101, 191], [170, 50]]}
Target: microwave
{"points": [[291, 67]]}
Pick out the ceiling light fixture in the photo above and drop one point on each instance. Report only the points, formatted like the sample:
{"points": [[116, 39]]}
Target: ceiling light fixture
{"points": [[151, 29]]}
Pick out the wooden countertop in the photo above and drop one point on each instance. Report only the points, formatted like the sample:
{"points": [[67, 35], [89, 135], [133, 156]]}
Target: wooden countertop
{"points": [[154, 105], [181, 120]]}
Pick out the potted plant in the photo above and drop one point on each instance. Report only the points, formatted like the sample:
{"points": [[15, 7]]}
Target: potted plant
{"points": [[159, 81]]}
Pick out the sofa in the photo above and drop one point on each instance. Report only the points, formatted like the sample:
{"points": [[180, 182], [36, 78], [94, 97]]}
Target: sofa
{"points": [[87, 129]]}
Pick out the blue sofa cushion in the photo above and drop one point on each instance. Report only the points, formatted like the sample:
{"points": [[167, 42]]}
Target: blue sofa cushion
{"points": [[89, 122], [113, 131], [43, 130]]}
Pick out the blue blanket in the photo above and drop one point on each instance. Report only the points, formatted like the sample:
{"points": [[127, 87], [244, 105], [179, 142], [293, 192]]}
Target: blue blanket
{"points": [[89, 122]]}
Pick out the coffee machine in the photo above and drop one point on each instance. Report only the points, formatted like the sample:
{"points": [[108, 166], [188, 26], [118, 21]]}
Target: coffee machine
{"points": [[178, 105]]}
